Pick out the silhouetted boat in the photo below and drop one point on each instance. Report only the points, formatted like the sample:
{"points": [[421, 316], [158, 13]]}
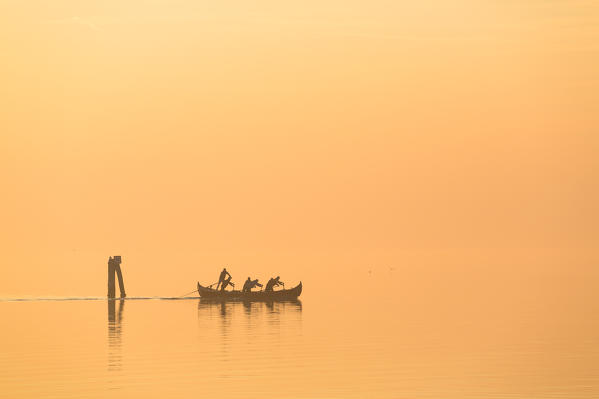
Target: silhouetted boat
{"points": [[280, 295]]}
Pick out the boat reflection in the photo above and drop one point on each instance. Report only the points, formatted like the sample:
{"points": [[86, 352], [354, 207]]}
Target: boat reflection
{"points": [[225, 308], [234, 332], [247, 320], [114, 334]]}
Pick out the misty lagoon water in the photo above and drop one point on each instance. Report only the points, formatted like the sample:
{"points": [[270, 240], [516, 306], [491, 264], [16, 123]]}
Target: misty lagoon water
{"points": [[355, 339]]}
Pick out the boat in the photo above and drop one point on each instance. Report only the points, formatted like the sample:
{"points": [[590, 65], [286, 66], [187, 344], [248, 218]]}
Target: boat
{"points": [[280, 295]]}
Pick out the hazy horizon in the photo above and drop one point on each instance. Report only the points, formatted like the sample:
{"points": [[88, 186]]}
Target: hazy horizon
{"points": [[187, 136]]}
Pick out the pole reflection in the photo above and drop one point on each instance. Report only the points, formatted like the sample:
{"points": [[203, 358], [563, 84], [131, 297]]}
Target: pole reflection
{"points": [[114, 334]]}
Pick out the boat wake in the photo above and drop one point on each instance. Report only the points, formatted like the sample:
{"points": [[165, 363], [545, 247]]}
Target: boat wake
{"points": [[91, 298]]}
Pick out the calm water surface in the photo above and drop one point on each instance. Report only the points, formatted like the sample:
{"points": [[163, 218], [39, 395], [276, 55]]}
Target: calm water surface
{"points": [[337, 342]]}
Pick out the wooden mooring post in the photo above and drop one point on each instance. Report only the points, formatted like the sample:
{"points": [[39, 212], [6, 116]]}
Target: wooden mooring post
{"points": [[114, 267]]}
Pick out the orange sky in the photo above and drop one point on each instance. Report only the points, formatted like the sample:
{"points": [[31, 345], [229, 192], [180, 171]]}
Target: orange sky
{"points": [[185, 135]]}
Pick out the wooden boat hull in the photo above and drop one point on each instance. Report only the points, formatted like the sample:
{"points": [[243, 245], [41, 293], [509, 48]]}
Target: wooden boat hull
{"points": [[280, 295]]}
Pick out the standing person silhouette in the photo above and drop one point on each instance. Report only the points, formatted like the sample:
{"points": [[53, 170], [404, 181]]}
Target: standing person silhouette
{"points": [[223, 280]]}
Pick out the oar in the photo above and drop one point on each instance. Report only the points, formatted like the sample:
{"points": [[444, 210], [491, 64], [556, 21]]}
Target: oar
{"points": [[188, 293]]}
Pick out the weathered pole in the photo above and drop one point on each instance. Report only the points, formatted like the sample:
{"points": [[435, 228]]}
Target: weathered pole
{"points": [[110, 277], [119, 274], [114, 266]]}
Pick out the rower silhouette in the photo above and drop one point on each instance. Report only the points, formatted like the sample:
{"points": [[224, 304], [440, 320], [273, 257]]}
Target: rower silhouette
{"points": [[249, 284], [273, 282]]}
